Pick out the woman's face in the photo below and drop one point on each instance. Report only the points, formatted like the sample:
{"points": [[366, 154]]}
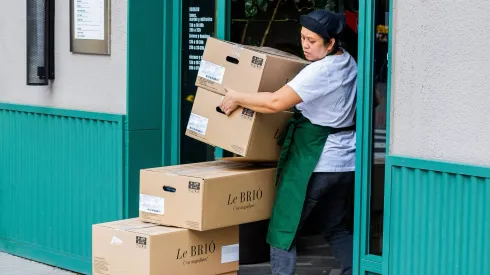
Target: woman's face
{"points": [[314, 46]]}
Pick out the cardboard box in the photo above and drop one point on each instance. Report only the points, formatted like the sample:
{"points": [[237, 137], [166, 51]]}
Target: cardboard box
{"points": [[274, 51], [245, 69], [133, 247], [244, 132], [208, 195]]}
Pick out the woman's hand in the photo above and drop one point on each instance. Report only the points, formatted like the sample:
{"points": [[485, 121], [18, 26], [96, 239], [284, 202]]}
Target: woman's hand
{"points": [[229, 102]]}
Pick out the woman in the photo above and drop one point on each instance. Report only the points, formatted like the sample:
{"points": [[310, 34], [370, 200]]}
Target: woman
{"points": [[317, 163]]}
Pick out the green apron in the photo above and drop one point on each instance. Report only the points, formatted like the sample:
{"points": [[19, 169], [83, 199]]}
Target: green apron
{"points": [[302, 145]]}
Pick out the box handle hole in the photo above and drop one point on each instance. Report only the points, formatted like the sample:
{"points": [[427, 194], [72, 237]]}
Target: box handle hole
{"points": [[169, 189], [232, 60], [218, 109]]}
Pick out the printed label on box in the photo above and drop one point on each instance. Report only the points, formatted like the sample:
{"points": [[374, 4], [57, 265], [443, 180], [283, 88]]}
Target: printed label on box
{"points": [[211, 71], [247, 113], [197, 124], [151, 204], [229, 253], [257, 62], [194, 187], [141, 242]]}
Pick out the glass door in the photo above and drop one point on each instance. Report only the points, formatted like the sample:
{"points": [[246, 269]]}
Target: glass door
{"points": [[373, 95], [198, 23], [378, 126]]}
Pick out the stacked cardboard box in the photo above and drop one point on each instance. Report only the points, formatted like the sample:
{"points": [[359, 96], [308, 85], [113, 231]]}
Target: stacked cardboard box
{"points": [[244, 69], [190, 214], [134, 247]]}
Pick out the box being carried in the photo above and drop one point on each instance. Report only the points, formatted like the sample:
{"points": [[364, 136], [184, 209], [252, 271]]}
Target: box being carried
{"points": [[244, 68], [134, 247], [244, 132], [208, 195]]}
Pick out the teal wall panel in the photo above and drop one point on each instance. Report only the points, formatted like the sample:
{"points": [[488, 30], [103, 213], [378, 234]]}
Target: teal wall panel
{"points": [[171, 76], [60, 172], [145, 64], [143, 151], [144, 94], [439, 218]]}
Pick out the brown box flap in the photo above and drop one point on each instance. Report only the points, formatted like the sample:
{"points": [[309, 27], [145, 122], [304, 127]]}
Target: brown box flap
{"points": [[137, 226], [208, 170], [125, 225], [276, 52], [157, 230], [250, 160]]}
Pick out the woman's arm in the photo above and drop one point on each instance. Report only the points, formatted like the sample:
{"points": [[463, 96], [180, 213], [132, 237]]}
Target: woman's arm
{"points": [[281, 100]]}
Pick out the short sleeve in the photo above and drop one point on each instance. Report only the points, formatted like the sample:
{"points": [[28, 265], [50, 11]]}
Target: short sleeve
{"points": [[311, 83]]}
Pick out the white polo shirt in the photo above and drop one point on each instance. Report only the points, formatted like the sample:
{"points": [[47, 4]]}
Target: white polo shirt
{"points": [[328, 89]]}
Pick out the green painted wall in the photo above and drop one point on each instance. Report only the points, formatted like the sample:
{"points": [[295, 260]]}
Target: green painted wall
{"points": [[171, 78], [436, 213], [61, 171], [144, 66], [144, 94], [437, 220]]}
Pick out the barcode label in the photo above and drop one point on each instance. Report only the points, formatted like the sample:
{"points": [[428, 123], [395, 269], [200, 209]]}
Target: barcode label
{"points": [[151, 204], [230, 253], [198, 124], [211, 71]]}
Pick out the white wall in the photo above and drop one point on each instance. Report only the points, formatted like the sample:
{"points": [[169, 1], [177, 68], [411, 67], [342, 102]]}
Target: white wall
{"points": [[441, 80], [83, 82]]}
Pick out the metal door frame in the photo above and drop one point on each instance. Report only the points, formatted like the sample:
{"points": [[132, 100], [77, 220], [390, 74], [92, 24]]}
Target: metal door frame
{"points": [[364, 262]]}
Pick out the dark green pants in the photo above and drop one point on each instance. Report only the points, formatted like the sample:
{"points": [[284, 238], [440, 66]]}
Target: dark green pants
{"points": [[331, 197]]}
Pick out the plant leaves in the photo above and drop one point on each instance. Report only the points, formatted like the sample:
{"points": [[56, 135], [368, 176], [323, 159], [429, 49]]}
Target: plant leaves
{"points": [[250, 8], [330, 5], [263, 4], [320, 4]]}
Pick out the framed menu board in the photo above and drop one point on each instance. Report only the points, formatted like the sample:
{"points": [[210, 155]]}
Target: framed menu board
{"points": [[90, 26]]}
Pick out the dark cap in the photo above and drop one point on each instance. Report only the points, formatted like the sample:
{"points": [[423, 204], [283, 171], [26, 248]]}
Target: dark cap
{"points": [[325, 23]]}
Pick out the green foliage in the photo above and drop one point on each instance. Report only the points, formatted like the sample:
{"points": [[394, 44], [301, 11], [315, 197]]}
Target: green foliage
{"points": [[253, 6], [324, 4]]}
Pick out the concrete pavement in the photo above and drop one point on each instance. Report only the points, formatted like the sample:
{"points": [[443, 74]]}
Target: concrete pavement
{"points": [[10, 265], [314, 258]]}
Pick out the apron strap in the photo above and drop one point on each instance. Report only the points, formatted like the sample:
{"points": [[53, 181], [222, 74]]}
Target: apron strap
{"points": [[344, 129]]}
